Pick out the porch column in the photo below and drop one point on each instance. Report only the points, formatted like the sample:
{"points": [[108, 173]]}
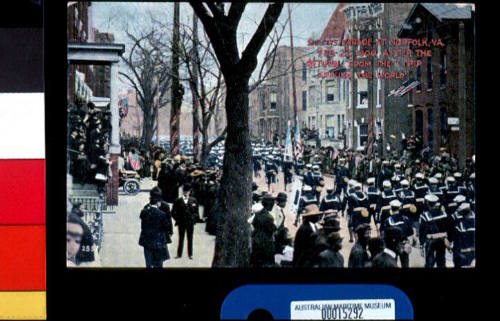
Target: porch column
{"points": [[115, 148]]}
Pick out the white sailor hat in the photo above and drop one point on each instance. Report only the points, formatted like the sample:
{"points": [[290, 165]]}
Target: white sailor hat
{"points": [[357, 186], [257, 207], [405, 182], [433, 180], [419, 175], [463, 207], [459, 199], [308, 165], [315, 167], [431, 198], [395, 203], [397, 165], [450, 179], [457, 175], [438, 175], [351, 182], [386, 183], [370, 180], [307, 188], [473, 175], [386, 162]]}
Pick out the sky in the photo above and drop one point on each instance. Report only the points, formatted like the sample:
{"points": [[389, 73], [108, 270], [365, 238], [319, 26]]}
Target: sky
{"points": [[308, 20]]}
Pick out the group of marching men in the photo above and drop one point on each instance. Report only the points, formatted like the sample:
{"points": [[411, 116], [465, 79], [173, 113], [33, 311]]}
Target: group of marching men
{"points": [[432, 213]]}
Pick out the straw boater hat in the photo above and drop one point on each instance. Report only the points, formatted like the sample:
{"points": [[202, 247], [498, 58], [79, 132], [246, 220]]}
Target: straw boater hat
{"points": [[311, 210], [196, 173]]}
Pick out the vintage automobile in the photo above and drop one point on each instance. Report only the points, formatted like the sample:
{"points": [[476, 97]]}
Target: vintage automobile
{"points": [[130, 181]]}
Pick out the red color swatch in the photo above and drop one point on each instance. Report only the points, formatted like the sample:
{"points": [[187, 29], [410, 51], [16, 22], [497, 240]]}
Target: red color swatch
{"points": [[22, 258], [22, 190]]}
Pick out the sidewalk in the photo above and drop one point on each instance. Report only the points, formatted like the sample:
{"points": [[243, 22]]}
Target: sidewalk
{"points": [[120, 246]]}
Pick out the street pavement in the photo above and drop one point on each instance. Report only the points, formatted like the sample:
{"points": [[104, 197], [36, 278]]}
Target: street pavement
{"points": [[416, 259], [120, 246]]}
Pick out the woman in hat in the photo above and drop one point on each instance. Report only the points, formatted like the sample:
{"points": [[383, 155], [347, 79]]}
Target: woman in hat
{"points": [[263, 235]]}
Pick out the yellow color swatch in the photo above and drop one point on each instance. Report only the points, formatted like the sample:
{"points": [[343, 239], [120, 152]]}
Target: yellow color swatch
{"points": [[17, 305]]}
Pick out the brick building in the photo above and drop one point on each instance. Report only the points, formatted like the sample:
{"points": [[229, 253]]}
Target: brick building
{"points": [[271, 104], [443, 105], [100, 84], [371, 115]]}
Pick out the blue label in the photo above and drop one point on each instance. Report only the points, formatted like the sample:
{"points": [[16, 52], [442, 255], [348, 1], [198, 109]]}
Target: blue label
{"points": [[315, 302]]}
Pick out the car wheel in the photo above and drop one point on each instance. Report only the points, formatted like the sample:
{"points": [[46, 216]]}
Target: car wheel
{"points": [[131, 187]]}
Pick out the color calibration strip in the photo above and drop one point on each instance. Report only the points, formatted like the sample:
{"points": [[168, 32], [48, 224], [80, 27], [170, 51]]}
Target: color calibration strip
{"points": [[22, 207]]}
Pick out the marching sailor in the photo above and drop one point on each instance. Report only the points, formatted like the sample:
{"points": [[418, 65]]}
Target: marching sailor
{"points": [[383, 207], [307, 198], [403, 223], [463, 236], [433, 232]]}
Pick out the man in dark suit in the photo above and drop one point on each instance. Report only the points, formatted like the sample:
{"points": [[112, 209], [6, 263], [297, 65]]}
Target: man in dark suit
{"points": [[156, 229], [185, 214], [306, 238], [388, 257]]}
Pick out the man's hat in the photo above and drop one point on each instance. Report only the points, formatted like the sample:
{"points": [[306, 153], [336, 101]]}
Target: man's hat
{"points": [[459, 199], [321, 183], [433, 180], [397, 165], [450, 179], [331, 224], [405, 182], [186, 187], [431, 198], [386, 162], [358, 186], [361, 228], [419, 175], [308, 166], [386, 183], [438, 175], [155, 194], [307, 188], [329, 189], [351, 182], [281, 197], [393, 233], [196, 173], [315, 167], [396, 204], [177, 158], [267, 199], [457, 175], [463, 207], [370, 181], [311, 210]]}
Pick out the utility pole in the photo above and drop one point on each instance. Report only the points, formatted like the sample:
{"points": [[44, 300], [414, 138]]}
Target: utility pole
{"points": [[194, 92], [177, 91], [294, 94]]}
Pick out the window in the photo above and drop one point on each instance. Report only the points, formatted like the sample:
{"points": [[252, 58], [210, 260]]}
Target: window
{"points": [[419, 75], [363, 134], [343, 122], [330, 89], [262, 101], [304, 100], [429, 73], [419, 123], [379, 91], [362, 93], [338, 122], [410, 98], [348, 94], [343, 91], [304, 72], [442, 69], [430, 131], [338, 88], [273, 100], [444, 129]]}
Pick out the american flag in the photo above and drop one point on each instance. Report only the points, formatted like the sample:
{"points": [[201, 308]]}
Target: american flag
{"points": [[133, 159], [298, 142], [404, 88]]}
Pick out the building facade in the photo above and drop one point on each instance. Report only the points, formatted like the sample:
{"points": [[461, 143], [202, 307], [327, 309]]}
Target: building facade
{"points": [[443, 107], [375, 119], [271, 103]]}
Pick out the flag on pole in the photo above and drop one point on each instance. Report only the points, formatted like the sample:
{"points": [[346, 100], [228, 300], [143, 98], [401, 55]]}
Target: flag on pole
{"points": [[288, 142], [404, 88], [298, 142]]}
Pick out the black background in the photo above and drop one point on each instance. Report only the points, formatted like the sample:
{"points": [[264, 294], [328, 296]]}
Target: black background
{"points": [[112, 294]]}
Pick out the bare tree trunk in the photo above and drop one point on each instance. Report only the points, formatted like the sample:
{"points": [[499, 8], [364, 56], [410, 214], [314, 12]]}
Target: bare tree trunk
{"points": [[232, 245], [177, 90]]}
